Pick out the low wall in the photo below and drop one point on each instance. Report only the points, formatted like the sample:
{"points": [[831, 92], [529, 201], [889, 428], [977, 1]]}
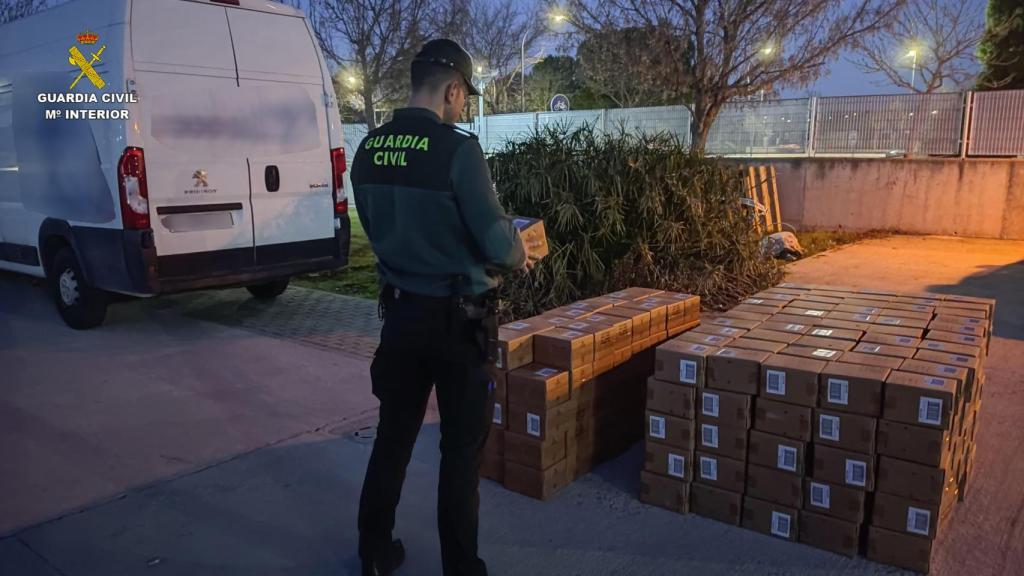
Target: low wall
{"points": [[977, 198]]}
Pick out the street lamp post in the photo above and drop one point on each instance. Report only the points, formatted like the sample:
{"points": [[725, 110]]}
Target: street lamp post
{"points": [[522, 72], [913, 70]]}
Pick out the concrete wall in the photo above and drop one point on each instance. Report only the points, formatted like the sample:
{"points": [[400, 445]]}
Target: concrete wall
{"points": [[977, 198]]}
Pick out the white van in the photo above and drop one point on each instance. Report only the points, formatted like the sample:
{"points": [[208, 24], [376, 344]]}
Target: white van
{"points": [[156, 146]]}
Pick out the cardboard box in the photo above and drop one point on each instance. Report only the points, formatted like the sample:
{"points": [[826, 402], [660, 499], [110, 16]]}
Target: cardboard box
{"points": [[957, 320], [958, 328], [733, 322], [852, 432], [818, 298], [663, 492], [715, 503], [780, 336], [668, 461], [514, 343], [676, 308], [641, 320], [562, 348], [719, 471], [534, 452], [911, 480], [706, 339], [756, 309], [825, 354], [957, 373], [538, 421], [592, 305], [828, 533], [901, 322], [622, 334], [850, 469], [773, 303], [757, 345], [919, 444], [884, 350], [971, 363], [726, 409], [775, 486], [539, 484], [771, 519], [570, 312], [735, 370], [635, 293], [538, 385], [623, 356], [847, 504], [952, 347], [826, 342], [851, 317], [724, 331], [920, 309], [908, 516], [785, 327], [658, 309], [670, 430], [674, 331], [890, 362], [752, 316], [777, 452], [919, 399], [902, 550], [890, 339], [853, 388], [670, 398], [782, 419], [858, 308], [606, 339], [897, 330], [728, 442], [681, 361], [790, 379], [844, 324], [531, 231], [492, 465]]}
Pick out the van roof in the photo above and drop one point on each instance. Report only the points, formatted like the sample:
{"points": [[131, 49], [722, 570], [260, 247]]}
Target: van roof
{"points": [[259, 5]]}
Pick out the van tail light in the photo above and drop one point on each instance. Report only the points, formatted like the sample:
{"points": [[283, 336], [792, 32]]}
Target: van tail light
{"points": [[131, 181], [338, 181]]}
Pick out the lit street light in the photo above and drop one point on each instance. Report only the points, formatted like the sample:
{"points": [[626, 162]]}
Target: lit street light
{"points": [[913, 69], [555, 15]]}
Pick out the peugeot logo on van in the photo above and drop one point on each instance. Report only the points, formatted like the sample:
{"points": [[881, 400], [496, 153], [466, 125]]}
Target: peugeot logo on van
{"points": [[200, 177]]}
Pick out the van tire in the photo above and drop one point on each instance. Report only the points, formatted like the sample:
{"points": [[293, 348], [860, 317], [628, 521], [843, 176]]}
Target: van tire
{"points": [[269, 290], [80, 305]]}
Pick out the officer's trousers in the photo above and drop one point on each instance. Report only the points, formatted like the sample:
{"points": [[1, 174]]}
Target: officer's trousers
{"points": [[423, 345]]}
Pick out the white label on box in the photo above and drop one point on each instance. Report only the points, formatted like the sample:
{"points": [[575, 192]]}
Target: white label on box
{"points": [[575, 313], [949, 369], [814, 313], [546, 372], [723, 321], [533, 424], [933, 345], [649, 305], [938, 382], [973, 320], [781, 524], [828, 427], [578, 305], [754, 301], [856, 472], [971, 339], [713, 338], [824, 353], [961, 359], [729, 331], [497, 413], [558, 320], [676, 465], [617, 295], [572, 334], [891, 321], [929, 411], [578, 325], [919, 521], [726, 352], [518, 325], [872, 349], [795, 327], [688, 371], [820, 495], [709, 435], [500, 361], [838, 391], [862, 317], [821, 332], [709, 405], [775, 382], [520, 222], [871, 310], [905, 340], [698, 348], [657, 427], [708, 468], [787, 458]]}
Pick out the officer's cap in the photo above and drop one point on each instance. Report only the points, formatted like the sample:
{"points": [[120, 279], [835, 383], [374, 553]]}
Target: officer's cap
{"points": [[448, 53]]}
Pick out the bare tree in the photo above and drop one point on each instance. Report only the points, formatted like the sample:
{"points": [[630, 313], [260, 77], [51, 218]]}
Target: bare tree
{"points": [[11, 10], [636, 66], [929, 46], [738, 47]]}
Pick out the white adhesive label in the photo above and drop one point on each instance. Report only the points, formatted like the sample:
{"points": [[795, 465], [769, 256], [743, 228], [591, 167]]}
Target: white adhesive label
{"points": [[546, 372], [518, 325], [828, 427], [500, 361], [573, 334], [709, 435], [787, 458], [578, 325], [821, 495], [929, 411], [657, 427], [688, 371], [781, 524], [814, 313], [708, 468], [821, 332], [676, 465], [795, 327], [823, 353], [709, 404], [533, 424], [838, 391], [856, 472], [497, 413], [775, 382], [919, 521]]}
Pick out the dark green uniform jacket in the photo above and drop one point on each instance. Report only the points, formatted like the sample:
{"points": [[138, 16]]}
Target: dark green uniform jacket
{"points": [[425, 198]]}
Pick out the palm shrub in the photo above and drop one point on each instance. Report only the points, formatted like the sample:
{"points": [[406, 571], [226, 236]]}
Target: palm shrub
{"points": [[627, 210]]}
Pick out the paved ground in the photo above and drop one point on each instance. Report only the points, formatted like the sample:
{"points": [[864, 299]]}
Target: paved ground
{"points": [[77, 427]]}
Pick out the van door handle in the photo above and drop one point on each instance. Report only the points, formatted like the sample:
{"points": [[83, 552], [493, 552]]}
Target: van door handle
{"points": [[272, 178]]}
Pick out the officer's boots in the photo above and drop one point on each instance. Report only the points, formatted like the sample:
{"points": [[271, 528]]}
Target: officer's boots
{"points": [[386, 563]]}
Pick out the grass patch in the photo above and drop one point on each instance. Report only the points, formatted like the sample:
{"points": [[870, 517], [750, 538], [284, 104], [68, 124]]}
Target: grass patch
{"points": [[817, 241], [358, 279]]}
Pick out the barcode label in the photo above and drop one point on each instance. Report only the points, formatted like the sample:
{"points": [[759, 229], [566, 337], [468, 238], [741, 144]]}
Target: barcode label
{"points": [[558, 320], [714, 338], [824, 353], [578, 325], [572, 334], [729, 331], [939, 382], [518, 325], [781, 524], [754, 301], [657, 427], [891, 321], [575, 313], [709, 435], [828, 427], [726, 352], [862, 317], [905, 340], [838, 391], [933, 345], [949, 369], [709, 404], [497, 413], [929, 411], [787, 458], [820, 495], [775, 382], [617, 295], [918, 521], [821, 332], [961, 359], [546, 372], [871, 310], [532, 424], [795, 327], [708, 468], [698, 348], [676, 465], [688, 371], [873, 349], [578, 305], [723, 321], [856, 472], [973, 320], [971, 339], [814, 313], [500, 362]]}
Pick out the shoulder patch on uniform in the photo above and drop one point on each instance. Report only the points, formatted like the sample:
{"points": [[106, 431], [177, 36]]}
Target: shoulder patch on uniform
{"points": [[462, 131]]}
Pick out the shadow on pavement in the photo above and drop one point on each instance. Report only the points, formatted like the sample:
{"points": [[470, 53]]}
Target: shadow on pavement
{"points": [[1006, 285]]}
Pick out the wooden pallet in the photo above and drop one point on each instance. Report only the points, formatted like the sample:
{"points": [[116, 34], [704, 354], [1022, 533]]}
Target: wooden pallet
{"points": [[763, 192]]}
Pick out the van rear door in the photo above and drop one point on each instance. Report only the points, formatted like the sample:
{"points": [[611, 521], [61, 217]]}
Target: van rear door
{"points": [[279, 69], [194, 137]]}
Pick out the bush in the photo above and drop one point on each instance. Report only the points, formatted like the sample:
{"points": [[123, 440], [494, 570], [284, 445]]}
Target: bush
{"points": [[628, 210]]}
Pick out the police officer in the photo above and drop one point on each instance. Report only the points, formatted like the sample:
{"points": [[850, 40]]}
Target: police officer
{"points": [[425, 198]]}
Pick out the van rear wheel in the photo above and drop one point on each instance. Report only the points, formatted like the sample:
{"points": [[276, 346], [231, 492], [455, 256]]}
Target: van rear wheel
{"points": [[81, 306], [269, 290]]}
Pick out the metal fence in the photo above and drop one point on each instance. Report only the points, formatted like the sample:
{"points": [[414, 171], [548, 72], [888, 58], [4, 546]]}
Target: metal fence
{"points": [[997, 124], [907, 124]]}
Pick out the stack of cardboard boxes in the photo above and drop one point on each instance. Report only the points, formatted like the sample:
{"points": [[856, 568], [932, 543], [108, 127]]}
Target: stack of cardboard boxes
{"points": [[569, 385], [837, 417]]}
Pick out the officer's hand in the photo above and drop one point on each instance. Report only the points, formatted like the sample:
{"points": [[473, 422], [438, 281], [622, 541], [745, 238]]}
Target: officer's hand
{"points": [[531, 261]]}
